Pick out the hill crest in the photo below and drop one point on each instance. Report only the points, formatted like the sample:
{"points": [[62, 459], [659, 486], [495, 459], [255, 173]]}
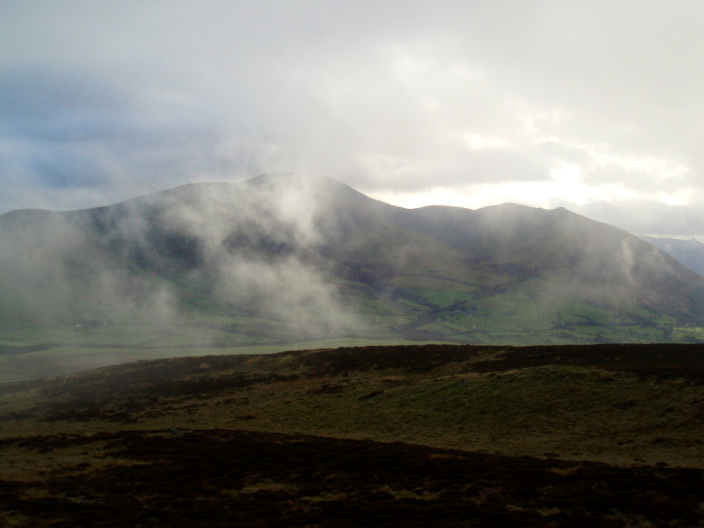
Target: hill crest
{"points": [[280, 258]]}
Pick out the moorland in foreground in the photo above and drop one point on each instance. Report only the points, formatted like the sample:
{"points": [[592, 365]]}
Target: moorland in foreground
{"points": [[603, 435]]}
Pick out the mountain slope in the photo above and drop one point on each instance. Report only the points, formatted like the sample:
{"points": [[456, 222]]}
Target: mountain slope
{"points": [[689, 253], [283, 258]]}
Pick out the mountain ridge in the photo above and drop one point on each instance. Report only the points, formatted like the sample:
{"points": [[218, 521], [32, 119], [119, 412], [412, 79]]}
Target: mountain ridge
{"points": [[285, 257]]}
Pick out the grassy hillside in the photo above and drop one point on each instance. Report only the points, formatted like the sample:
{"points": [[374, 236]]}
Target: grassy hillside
{"points": [[277, 260], [616, 400], [604, 435]]}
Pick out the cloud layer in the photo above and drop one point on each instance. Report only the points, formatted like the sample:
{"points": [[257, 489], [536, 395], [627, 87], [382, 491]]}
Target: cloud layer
{"points": [[592, 105]]}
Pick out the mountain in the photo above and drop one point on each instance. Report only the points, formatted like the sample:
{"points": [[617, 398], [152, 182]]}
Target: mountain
{"points": [[279, 259], [689, 253]]}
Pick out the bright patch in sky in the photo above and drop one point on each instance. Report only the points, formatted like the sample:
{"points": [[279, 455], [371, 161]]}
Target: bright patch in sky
{"points": [[566, 184]]}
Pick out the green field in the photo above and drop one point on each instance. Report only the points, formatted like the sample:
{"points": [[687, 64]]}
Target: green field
{"points": [[32, 351], [421, 308], [456, 314]]}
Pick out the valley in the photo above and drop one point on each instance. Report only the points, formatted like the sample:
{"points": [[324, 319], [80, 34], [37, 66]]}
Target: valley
{"points": [[33, 351]]}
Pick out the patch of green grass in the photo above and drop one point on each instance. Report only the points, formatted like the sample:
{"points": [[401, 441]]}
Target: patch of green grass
{"points": [[688, 333], [536, 410]]}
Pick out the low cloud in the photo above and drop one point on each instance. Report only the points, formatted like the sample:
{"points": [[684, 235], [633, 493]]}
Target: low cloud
{"points": [[243, 250]]}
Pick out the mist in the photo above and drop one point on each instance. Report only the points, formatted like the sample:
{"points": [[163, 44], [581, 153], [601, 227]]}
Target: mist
{"points": [[282, 259], [222, 250]]}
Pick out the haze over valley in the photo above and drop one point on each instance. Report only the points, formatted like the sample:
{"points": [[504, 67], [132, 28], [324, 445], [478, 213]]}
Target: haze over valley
{"points": [[283, 259]]}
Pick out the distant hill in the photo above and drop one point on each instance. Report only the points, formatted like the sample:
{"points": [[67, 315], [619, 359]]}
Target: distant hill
{"points": [[279, 259], [689, 253]]}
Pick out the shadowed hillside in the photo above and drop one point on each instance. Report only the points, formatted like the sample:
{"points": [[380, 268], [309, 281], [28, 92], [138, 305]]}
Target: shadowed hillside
{"points": [[605, 435]]}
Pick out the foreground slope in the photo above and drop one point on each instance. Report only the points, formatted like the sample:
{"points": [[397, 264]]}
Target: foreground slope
{"points": [[606, 435], [279, 259]]}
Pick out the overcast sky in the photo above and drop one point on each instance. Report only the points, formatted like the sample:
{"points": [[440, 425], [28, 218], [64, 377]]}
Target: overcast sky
{"points": [[597, 106]]}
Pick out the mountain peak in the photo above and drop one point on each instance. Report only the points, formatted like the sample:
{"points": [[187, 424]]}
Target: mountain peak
{"points": [[285, 255]]}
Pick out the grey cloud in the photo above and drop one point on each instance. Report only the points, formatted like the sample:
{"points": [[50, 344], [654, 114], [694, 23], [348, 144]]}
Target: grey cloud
{"points": [[41, 93], [562, 152], [646, 217], [151, 95]]}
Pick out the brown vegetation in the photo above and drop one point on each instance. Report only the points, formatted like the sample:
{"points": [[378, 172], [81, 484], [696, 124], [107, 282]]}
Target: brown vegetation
{"points": [[606, 435]]}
